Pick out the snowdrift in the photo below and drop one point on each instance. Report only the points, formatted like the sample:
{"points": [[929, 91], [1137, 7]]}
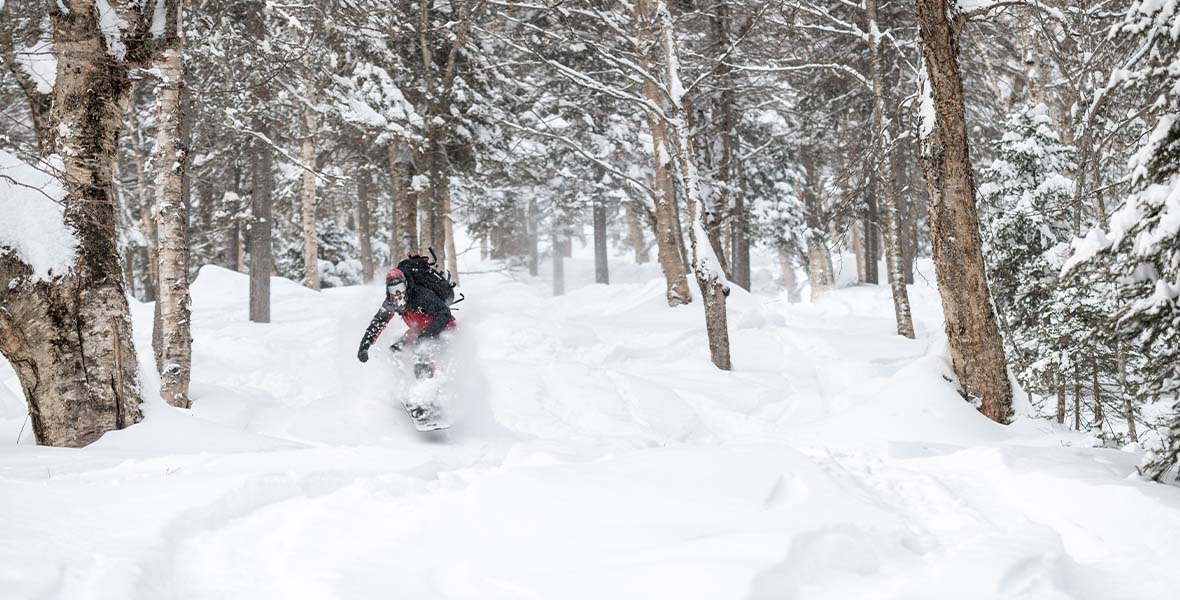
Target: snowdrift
{"points": [[599, 455]]}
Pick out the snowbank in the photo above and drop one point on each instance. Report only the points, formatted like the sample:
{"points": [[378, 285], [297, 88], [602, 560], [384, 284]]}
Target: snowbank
{"points": [[600, 456], [32, 223]]}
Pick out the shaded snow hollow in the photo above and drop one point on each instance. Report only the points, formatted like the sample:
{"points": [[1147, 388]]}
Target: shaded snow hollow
{"points": [[599, 456]]}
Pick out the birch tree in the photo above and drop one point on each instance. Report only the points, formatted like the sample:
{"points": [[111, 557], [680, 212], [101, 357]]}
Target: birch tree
{"points": [[172, 325], [69, 336]]}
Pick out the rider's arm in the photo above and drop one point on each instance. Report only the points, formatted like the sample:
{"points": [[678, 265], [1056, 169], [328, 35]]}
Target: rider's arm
{"points": [[377, 325]]}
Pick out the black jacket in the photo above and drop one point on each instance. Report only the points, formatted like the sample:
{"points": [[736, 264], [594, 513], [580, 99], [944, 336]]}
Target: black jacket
{"points": [[425, 314]]}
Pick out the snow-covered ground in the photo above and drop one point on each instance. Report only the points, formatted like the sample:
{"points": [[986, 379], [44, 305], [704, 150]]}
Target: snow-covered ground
{"points": [[599, 456]]}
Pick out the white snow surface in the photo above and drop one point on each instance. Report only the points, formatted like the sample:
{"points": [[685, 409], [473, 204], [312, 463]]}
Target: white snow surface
{"points": [[598, 455], [31, 217]]}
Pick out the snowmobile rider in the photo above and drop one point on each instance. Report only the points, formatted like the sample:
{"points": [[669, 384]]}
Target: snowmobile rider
{"points": [[423, 311]]}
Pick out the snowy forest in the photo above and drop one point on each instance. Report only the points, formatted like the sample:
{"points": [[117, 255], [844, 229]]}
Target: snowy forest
{"points": [[760, 299]]}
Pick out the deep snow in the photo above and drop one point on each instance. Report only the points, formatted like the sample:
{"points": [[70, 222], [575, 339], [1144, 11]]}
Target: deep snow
{"points": [[599, 456]]}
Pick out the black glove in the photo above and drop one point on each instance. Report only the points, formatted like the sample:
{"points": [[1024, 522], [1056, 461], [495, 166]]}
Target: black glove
{"points": [[363, 354]]}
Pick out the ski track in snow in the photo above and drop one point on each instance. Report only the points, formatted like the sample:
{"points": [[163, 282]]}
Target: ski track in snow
{"points": [[598, 456]]}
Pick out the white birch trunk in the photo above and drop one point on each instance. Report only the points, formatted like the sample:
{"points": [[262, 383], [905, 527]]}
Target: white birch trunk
{"points": [[893, 259], [311, 240], [69, 339], [667, 230], [705, 265], [174, 350]]}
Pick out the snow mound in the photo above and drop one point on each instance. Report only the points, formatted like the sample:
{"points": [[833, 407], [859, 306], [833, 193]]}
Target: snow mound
{"points": [[596, 454], [32, 223]]}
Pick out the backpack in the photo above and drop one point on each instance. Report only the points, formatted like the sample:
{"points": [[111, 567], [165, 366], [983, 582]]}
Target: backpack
{"points": [[420, 271]]}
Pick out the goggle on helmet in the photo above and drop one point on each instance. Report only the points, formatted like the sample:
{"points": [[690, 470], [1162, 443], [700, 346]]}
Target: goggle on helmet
{"points": [[395, 286]]}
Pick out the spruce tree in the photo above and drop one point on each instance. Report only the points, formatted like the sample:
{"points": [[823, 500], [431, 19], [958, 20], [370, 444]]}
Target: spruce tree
{"points": [[1025, 203], [1143, 241]]}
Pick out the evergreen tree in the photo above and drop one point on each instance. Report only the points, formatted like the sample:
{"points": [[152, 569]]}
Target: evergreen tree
{"points": [[1025, 202], [1145, 233]]}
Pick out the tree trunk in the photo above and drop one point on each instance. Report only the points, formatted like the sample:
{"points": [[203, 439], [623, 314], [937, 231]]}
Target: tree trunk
{"points": [[1099, 414], [435, 231], [819, 260], [601, 268], [232, 242], [728, 170], [534, 226], [147, 221], [976, 350], [1128, 407], [261, 256], [668, 241], [869, 231], [1060, 399], [364, 189], [705, 265], [908, 209], [635, 231], [452, 257], [790, 280], [893, 259], [311, 240], [858, 249], [558, 261], [69, 339], [261, 198], [405, 201], [174, 350]]}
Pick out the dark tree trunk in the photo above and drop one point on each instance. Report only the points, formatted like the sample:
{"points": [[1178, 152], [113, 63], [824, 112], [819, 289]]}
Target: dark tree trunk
{"points": [[869, 229], [364, 188], [534, 224], [261, 256], [558, 261], [972, 332], [404, 202], [601, 268]]}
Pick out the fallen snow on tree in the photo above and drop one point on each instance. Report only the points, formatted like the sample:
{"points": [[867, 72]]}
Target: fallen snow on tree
{"points": [[31, 217]]}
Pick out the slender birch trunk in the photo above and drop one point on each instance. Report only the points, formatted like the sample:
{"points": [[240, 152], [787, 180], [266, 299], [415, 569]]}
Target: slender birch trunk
{"points": [[976, 350], [1128, 407], [705, 265], [668, 240], [452, 257], [893, 258], [311, 240], [145, 200], [819, 260], [174, 348]]}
